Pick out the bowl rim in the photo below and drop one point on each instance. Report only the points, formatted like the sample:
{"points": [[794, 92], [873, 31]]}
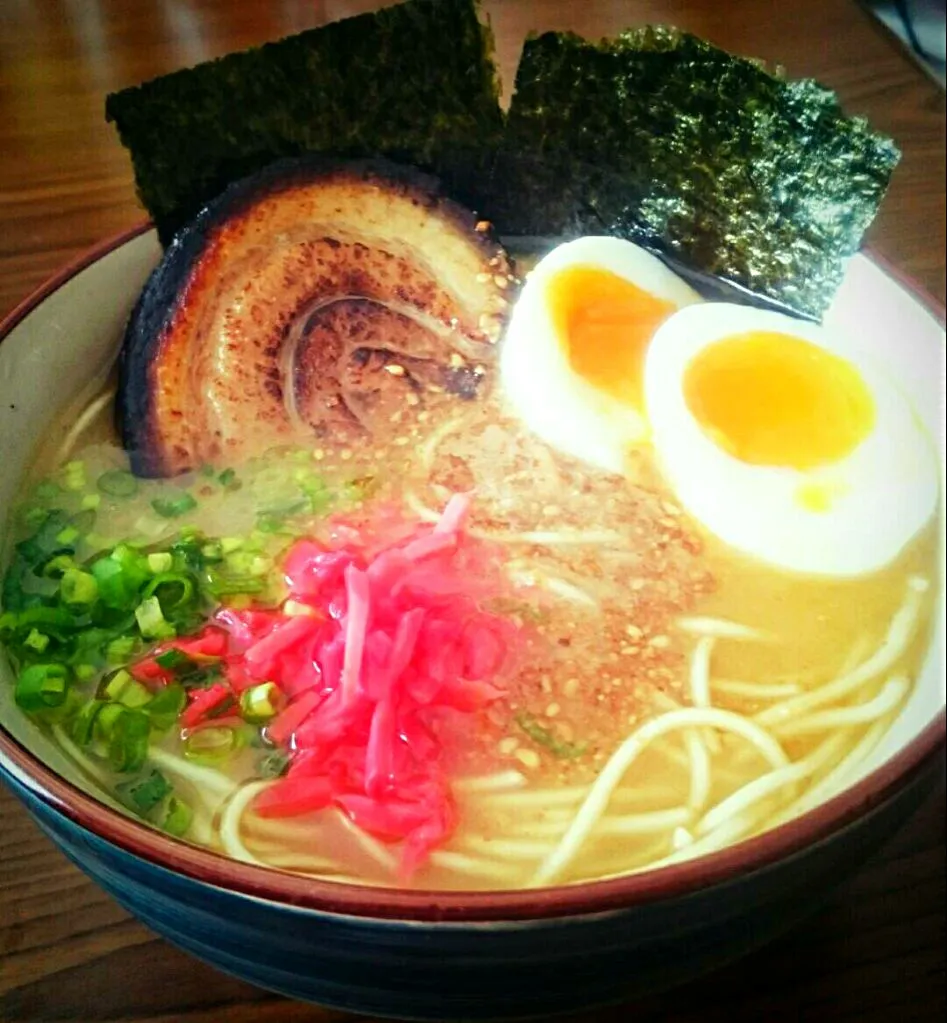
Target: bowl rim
{"points": [[462, 907]]}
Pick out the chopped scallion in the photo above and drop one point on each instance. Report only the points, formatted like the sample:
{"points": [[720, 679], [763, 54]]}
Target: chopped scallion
{"points": [[41, 686], [160, 561], [260, 703], [56, 566], [73, 475], [144, 794], [174, 591], [120, 650], [68, 536], [165, 706], [36, 640], [78, 588], [151, 621], [128, 742], [174, 507], [214, 743], [82, 728], [117, 483], [177, 818]]}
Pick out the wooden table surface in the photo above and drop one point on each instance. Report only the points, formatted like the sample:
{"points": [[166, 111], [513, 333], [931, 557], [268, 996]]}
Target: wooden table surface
{"points": [[67, 952]]}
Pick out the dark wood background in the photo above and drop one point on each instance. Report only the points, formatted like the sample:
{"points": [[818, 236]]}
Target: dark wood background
{"points": [[875, 953]]}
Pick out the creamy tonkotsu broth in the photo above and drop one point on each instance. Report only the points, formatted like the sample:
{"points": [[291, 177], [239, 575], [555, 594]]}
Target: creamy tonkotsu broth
{"points": [[664, 696]]}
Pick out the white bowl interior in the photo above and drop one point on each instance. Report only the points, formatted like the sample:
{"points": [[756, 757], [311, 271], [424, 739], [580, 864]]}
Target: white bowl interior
{"points": [[67, 341]]}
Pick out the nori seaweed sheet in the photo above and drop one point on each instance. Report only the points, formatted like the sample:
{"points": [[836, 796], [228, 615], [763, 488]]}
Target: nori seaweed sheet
{"points": [[661, 138], [655, 136], [415, 83]]}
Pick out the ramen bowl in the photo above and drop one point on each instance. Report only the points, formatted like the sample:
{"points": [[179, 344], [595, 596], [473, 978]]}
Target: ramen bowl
{"points": [[434, 955]]}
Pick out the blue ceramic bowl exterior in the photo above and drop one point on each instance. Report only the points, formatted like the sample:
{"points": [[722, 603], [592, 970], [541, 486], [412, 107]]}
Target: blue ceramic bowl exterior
{"points": [[475, 970]]}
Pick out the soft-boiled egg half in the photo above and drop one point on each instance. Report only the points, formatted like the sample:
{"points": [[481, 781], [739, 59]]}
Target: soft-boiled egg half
{"points": [[572, 362], [786, 441], [779, 436]]}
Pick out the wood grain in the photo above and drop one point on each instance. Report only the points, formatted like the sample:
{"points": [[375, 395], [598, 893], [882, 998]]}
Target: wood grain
{"points": [[67, 952]]}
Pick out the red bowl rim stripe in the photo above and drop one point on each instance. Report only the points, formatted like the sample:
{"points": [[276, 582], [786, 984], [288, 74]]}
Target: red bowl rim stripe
{"points": [[592, 897]]}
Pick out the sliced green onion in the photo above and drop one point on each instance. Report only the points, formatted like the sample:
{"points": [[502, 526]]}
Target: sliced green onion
{"points": [[82, 728], [91, 501], [173, 591], [121, 688], [107, 719], [165, 707], [173, 507], [32, 516], [161, 561], [41, 686], [178, 818], [214, 743], [128, 742], [151, 621], [36, 640], [227, 477], [73, 475], [83, 520], [78, 588], [260, 703], [68, 536], [173, 660], [50, 619], [110, 579], [47, 491], [229, 544], [191, 674], [113, 685], [117, 483], [212, 552], [220, 585], [120, 650], [60, 563], [85, 672], [144, 794]]}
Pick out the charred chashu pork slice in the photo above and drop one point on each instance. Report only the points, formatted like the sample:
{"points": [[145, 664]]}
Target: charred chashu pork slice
{"points": [[310, 301]]}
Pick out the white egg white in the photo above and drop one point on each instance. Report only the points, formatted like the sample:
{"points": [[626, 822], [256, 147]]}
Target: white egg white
{"points": [[880, 495], [549, 397]]}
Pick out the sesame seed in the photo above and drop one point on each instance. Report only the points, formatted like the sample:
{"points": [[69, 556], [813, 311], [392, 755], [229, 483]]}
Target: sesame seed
{"points": [[394, 369]]}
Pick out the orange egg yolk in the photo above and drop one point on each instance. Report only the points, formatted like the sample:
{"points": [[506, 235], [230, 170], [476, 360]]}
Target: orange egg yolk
{"points": [[776, 400], [604, 324]]}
